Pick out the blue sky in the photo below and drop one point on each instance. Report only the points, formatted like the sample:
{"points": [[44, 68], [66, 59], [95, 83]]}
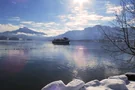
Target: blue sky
{"points": [[56, 16]]}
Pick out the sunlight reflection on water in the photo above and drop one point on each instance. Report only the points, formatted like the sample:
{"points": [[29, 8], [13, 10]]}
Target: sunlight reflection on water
{"points": [[46, 62], [84, 60]]}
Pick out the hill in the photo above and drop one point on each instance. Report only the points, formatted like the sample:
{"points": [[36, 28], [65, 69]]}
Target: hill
{"points": [[90, 33]]}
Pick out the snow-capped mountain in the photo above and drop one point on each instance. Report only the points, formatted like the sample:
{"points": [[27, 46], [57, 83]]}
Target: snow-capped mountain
{"points": [[90, 33], [24, 30], [24, 33]]}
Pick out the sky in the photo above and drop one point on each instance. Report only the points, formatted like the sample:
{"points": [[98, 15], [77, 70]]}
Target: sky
{"points": [[55, 17]]}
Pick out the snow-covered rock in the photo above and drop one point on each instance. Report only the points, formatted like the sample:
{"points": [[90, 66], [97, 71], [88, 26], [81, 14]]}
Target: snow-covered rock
{"points": [[98, 88], [112, 83], [131, 85], [76, 84], [115, 84], [56, 85], [122, 77], [93, 83]]}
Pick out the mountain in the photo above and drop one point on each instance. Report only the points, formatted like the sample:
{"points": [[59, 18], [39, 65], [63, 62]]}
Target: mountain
{"points": [[24, 30], [24, 33], [90, 33]]}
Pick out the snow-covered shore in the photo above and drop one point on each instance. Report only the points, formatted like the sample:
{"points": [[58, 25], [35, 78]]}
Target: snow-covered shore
{"points": [[120, 82]]}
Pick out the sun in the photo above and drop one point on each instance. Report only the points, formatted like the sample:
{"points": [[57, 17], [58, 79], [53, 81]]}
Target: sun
{"points": [[81, 1]]}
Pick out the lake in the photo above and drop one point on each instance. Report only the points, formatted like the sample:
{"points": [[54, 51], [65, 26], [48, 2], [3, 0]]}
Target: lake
{"points": [[30, 65]]}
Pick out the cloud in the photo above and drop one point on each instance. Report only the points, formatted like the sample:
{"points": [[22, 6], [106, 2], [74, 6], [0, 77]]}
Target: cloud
{"points": [[113, 9], [131, 22], [77, 18], [14, 19], [50, 28], [80, 17], [39, 24], [26, 22], [54, 32], [8, 27], [21, 33], [32, 23]]}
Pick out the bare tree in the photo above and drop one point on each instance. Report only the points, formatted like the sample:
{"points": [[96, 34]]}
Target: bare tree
{"points": [[122, 39]]}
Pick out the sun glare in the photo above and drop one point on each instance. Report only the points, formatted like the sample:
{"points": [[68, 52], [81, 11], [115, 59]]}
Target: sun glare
{"points": [[81, 1]]}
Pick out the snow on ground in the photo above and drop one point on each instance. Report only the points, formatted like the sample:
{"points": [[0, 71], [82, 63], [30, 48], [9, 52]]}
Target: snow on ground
{"points": [[112, 83]]}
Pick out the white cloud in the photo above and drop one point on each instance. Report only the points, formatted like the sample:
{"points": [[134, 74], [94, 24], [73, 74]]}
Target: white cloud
{"points": [[50, 28], [39, 24], [131, 22], [27, 22], [8, 27], [79, 18], [14, 19], [51, 24], [32, 23], [108, 18], [54, 32], [21, 33], [113, 9]]}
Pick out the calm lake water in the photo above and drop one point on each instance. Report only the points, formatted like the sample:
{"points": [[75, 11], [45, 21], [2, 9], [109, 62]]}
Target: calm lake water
{"points": [[31, 65]]}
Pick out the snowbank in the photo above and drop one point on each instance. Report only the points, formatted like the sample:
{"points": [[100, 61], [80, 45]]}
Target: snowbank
{"points": [[112, 83]]}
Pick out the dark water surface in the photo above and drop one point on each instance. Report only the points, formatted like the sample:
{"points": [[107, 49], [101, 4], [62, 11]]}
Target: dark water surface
{"points": [[32, 65]]}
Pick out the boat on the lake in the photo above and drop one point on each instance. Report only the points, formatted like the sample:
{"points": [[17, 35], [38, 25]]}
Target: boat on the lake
{"points": [[61, 41]]}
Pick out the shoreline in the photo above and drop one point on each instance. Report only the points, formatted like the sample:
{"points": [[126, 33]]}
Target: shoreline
{"points": [[120, 82]]}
